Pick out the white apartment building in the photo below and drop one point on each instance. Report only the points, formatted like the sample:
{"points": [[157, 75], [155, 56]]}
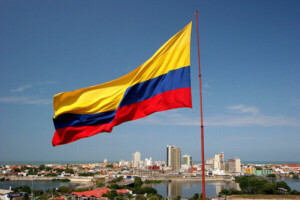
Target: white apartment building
{"points": [[136, 158]]}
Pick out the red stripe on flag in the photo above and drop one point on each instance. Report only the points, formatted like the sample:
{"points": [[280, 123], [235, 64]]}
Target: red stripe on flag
{"points": [[165, 101]]}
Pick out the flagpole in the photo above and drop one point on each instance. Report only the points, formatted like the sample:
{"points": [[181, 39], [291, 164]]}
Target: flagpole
{"points": [[201, 112]]}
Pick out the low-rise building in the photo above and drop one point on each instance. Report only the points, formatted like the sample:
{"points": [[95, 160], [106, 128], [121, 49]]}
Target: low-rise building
{"points": [[262, 172]]}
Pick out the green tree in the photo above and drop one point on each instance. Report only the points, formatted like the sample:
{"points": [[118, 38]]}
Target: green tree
{"points": [[64, 189], [295, 192], [196, 197], [258, 168], [26, 196], [23, 188], [224, 192], [42, 167], [271, 176], [38, 192], [269, 188], [48, 169], [32, 171], [283, 184], [17, 170], [111, 195], [70, 171], [178, 198], [154, 197], [138, 182], [100, 184]]}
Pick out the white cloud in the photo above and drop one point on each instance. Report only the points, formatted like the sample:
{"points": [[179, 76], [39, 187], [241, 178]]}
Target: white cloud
{"points": [[24, 100], [251, 117], [244, 109], [27, 86], [251, 120], [21, 88]]}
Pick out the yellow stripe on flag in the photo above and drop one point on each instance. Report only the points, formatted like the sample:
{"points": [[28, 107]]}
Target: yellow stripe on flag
{"points": [[174, 54]]}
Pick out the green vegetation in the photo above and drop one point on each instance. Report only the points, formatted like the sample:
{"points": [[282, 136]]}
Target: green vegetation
{"points": [[4, 179], [99, 184], [252, 185], [17, 170], [38, 192], [26, 196], [138, 182], [48, 169], [110, 166], [86, 174], [32, 171], [52, 175], [116, 180], [69, 171], [23, 188], [42, 167], [271, 176], [258, 168], [65, 190]]}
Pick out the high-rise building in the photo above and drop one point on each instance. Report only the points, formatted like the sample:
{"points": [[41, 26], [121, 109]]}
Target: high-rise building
{"points": [[173, 157], [176, 159], [136, 158], [187, 160], [169, 157], [235, 165], [219, 162], [231, 164], [238, 165]]}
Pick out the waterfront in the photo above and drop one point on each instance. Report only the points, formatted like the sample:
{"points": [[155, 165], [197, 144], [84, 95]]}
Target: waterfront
{"points": [[188, 189], [37, 185]]}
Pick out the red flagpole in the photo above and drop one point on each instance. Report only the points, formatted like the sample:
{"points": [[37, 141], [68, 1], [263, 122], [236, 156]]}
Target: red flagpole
{"points": [[202, 128]]}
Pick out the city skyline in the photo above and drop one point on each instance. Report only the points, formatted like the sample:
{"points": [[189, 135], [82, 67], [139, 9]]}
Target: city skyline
{"points": [[249, 63]]}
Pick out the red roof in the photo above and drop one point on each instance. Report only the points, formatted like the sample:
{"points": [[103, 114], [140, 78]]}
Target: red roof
{"points": [[294, 165], [92, 193], [123, 191]]}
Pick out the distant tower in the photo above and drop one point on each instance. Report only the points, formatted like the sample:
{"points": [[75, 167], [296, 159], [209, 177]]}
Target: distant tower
{"points": [[136, 158], [187, 160]]}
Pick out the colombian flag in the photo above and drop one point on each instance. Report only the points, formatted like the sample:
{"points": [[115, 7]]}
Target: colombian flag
{"points": [[161, 83]]}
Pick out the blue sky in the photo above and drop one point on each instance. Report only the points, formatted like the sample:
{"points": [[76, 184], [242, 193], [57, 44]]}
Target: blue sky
{"points": [[250, 69]]}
